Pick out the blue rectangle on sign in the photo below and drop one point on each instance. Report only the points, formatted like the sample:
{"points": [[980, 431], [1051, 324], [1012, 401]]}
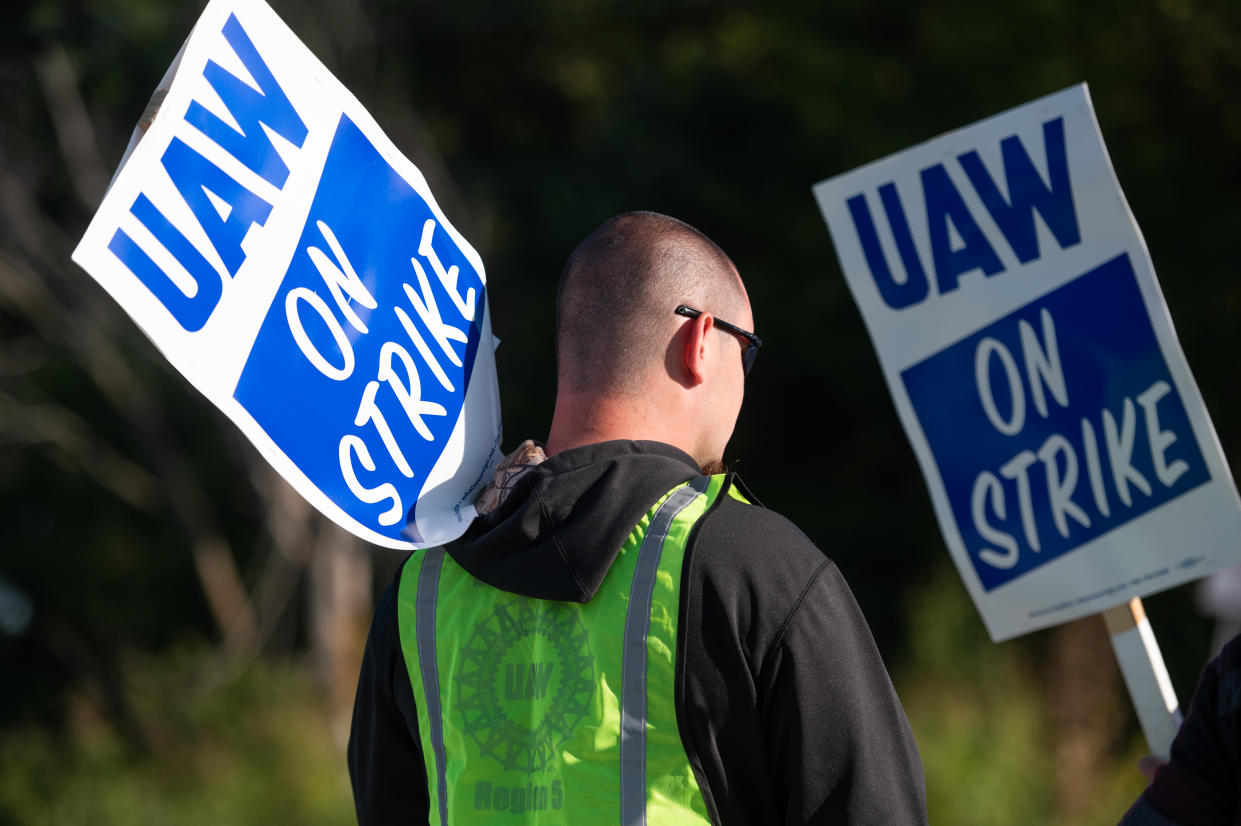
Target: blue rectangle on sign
{"points": [[1055, 424], [360, 368]]}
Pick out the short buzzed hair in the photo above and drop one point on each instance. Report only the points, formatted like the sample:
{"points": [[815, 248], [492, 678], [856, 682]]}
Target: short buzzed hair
{"points": [[618, 290]]}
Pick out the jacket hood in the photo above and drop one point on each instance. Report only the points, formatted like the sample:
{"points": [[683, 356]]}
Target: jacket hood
{"points": [[558, 531]]}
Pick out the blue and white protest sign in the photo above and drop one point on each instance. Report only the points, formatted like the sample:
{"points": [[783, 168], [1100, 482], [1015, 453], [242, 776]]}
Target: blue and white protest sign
{"points": [[295, 267], [1014, 308]]}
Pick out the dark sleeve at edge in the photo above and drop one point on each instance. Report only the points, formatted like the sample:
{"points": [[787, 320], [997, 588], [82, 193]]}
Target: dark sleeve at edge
{"points": [[1201, 784], [385, 756]]}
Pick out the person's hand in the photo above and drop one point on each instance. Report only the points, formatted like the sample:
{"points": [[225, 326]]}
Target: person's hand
{"points": [[1148, 765]]}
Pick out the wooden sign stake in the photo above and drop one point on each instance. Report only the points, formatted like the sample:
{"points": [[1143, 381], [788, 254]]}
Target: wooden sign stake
{"points": [[1146, 677]]}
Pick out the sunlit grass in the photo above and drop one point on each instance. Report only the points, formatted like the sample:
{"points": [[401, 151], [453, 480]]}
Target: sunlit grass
{"points": [[253, 749], [981, 720]]}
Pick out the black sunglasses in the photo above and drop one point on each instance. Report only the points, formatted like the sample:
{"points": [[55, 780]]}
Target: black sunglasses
{"points": [[753, 342]]}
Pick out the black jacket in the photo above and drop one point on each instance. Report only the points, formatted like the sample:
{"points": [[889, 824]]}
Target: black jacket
{"points": [[1201, 783], [784, 705]]}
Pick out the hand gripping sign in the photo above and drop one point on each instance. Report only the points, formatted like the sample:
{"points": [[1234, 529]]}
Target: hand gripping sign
{"points": [[287, 259], [1014, 309]]}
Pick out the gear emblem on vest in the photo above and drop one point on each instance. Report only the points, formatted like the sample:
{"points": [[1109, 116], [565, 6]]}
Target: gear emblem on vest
{"points": [[525, 682]]}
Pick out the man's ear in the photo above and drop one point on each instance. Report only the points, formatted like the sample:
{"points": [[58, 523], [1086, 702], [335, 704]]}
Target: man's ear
{"points": [[696, 347]]}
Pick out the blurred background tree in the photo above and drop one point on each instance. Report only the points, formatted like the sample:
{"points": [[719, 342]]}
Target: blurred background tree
{"points": [[179, 633]]}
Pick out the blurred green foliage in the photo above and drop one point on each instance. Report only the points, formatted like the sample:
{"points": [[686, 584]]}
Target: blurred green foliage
{"points": [[533, 123], [981, 723], [254, 748]]}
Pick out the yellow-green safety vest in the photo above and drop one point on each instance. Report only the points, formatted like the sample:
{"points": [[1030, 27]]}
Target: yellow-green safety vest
{"points": [[538, 711]]}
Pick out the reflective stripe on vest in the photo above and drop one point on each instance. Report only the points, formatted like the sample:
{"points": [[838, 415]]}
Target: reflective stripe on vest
{"points": [[556, 712]]}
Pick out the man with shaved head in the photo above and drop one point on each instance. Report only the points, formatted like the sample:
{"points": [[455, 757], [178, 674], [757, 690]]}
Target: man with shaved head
{"points": [[625, 635], [629, 366]]}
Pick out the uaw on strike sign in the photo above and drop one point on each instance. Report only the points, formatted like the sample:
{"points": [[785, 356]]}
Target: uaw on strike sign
{"points": [[1015, 312], [287, 259]]}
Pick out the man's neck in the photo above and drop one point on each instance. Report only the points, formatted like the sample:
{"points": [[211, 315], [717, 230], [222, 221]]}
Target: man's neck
{"points": [[582, 419]]}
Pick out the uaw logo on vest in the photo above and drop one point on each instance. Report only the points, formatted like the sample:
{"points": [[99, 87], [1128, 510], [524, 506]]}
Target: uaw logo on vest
{"points": [[526, 682], [1026, 345], [297, 270]]}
